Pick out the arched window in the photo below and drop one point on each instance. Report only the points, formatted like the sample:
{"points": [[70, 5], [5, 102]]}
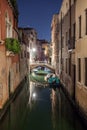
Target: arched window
{"points": [[8, 25]]}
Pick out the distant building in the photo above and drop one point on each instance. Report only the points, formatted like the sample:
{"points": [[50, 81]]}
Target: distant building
{"points": [[42, 50], [39, 50], [32, 42]]}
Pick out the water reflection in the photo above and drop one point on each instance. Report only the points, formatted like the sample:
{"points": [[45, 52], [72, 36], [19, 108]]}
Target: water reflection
{"points": [[39, 116], [32, 95], [37, 93], [15, 116], [39, 108], [64, 117], [56, 108]]}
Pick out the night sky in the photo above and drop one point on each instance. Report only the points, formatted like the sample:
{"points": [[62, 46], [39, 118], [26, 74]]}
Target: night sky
{"points": [[38, 14]]}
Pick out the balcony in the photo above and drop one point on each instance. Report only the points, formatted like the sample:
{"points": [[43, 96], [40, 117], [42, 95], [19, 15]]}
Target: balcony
{"points": [[71, 43]]}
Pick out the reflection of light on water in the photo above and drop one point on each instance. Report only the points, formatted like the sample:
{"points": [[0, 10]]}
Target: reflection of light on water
{"points": [[31, 92], [33, 95], [54, 108]]}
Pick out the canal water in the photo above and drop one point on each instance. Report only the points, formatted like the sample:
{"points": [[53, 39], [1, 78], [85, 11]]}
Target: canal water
{"points": [[37, 107]]}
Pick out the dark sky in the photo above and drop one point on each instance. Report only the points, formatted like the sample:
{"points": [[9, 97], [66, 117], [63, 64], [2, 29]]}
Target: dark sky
{"points": [[38, 14]]}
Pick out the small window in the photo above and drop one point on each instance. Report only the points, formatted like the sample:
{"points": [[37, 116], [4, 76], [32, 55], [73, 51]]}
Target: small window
{"points": [[62, 42], [86, 71], [17, 67], [79, 69], [70, 65], [67, 6], [25, 54], [74, 1], [66, 38], [66, 65], [74, 34], [80, 27], [63, 64], [86, 20]]}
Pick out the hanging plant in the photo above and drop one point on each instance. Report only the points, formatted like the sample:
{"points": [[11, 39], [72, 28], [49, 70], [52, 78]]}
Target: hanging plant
{"points": [[12, 45]]}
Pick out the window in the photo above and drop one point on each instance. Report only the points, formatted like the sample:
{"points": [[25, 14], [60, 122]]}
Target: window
{"points": [[66, 65], [63, 64], [79, 69], [24, 53], [66, 6], [30, 45], [62, 42], [17, 67], [43, 49], [74, 1], [86, 71], [8, 26], [66, 38], [28, 55], [86, 20], [74, 31], [80, 27], [70, 65], [21, 55], [69, 34]]}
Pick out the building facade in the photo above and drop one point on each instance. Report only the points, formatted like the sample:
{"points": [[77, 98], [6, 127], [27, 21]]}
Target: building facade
{"points": [[55, 41], [67, 67], [9, 55], [72, 58], [81, 54]]}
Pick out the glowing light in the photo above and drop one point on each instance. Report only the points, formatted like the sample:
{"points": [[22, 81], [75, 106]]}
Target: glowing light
{"points": [[34, 95], [34, 49]]}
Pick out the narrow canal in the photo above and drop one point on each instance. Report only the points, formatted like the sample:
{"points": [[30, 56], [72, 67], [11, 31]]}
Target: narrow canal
{"points": [[40, 108]]}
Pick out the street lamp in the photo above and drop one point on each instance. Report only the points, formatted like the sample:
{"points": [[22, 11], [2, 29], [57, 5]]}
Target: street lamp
{"points": [[34, 49]]}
